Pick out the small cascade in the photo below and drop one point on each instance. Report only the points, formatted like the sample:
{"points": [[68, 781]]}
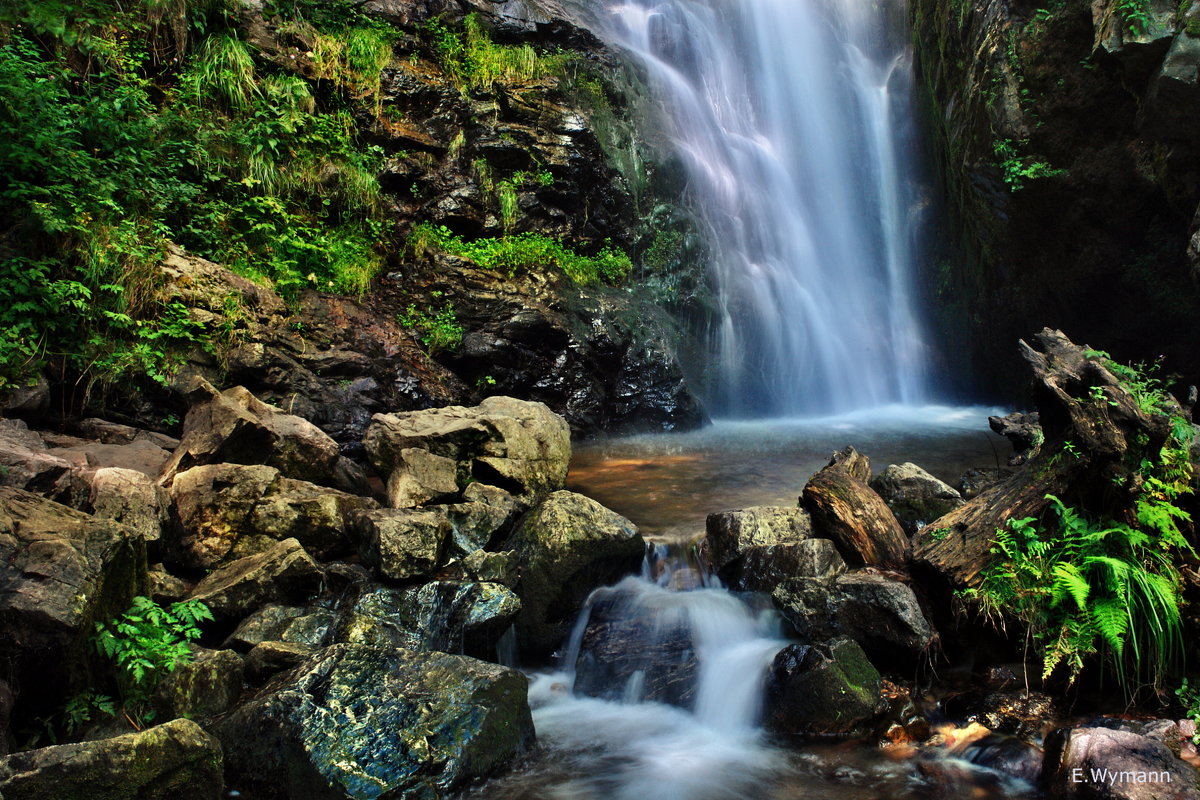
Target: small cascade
{"points": [[664, 673]]}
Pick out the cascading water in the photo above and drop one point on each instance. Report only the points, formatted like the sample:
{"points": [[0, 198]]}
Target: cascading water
{"points": [[791, 117]]}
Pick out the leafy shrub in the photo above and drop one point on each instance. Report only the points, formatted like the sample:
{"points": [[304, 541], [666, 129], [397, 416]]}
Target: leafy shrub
{"points": [[1017, 169], [1079, 584], [476, 62], [523, 252], [147, 643], [437, 331]]}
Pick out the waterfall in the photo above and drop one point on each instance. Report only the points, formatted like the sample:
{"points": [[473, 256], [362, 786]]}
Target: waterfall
{"points": [[792, 119]]}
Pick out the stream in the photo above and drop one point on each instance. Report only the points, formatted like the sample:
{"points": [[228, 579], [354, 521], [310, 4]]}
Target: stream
{"points": [[674, 715]]}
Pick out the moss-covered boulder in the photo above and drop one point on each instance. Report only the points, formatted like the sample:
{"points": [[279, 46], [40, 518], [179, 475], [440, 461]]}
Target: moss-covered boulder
{"points": [[830, 690], [229, 511], [402, 543], [174, 761], [914, 496], [453, 616], [208, 685], [61, 571], [367, 722], [285, 572], [567, 546], [731, 533]]}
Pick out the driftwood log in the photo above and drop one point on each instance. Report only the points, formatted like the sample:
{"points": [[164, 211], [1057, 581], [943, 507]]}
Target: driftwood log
{"points": [[847, 510], [1095, 436]]}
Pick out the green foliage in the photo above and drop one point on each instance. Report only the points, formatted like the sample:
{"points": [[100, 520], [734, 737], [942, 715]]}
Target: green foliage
{"points": [[84, 707], [1078, 586], [524, 252], [437, 331], [1189, 696], [1081, 584], [147, 643], [128, 127], [1017, 169], [476, 62], [1136, 15]]}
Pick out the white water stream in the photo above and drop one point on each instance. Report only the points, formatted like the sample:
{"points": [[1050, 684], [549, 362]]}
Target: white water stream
{"points": [[793, 120]]}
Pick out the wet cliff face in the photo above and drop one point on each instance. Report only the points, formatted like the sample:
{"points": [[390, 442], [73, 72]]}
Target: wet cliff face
{"points": [[1067, 136]]}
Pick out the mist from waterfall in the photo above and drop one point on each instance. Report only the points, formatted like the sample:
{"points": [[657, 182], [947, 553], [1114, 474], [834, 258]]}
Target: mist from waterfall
{"points": [[793, 121]]}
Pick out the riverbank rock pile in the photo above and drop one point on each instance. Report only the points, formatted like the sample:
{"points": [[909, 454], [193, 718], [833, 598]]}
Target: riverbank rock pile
{"points": [[358, 607]]}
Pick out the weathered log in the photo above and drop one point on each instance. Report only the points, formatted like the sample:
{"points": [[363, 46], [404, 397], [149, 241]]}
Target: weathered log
{"points": [[847, 510], [1095, 437]]}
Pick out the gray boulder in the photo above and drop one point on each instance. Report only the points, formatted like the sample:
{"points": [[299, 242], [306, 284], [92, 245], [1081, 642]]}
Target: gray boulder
{"points": [[355, 722], [25, 461], [236, 427], [208, 685], [285, 572], [131, 498], [914, 496], [731, 533], [402, 543], [229, 511], [880, 614], [567, 546], [829, 690], [307, 625], [1095, 763], [61, 571], [173, 761], [519, 446], [761, 569], [450, 616]]}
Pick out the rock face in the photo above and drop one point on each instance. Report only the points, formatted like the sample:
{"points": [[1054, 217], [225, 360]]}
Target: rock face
{"points": [[822, 691], [173, 761], [521, 447], [914, 496], [236, 427], [62, 572], [229, 511], [1067, 138], [568, 546], [319, 731], [1107, 764], [847, 510]]}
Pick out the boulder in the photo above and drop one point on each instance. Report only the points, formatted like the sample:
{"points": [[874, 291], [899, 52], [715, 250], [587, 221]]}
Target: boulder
{"points": [[567, 546], [140, 455], [450, 616], [473, 526], [502, 568], [761, 569], [830, 690], [880, 614], [319, 732], [25, 461], [236, 427], [306, 625], [1140, 48], [914, 496], [165, 588], [975, 480], [208, 685], [402, 543], [519, 446], [173, 761], [282, 573], [107, 432], [420, 477], [229, 511], [270, 658], [1105, 764], [847, 510], [61, 571], [131, 498], [730, 533]]}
